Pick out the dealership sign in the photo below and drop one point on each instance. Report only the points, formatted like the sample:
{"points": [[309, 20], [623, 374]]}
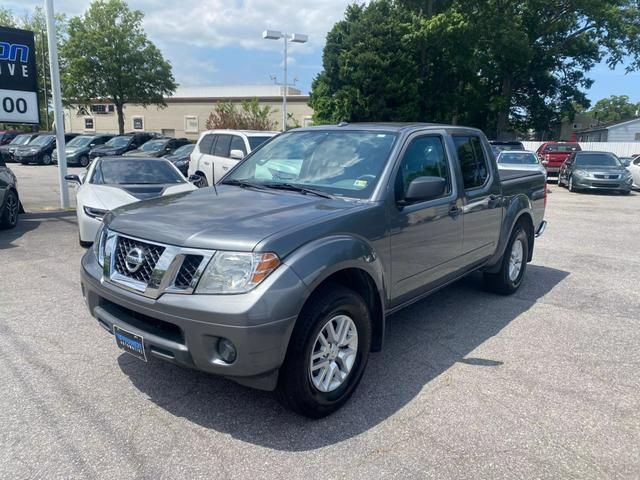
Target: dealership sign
{"points": [[18, 77]]}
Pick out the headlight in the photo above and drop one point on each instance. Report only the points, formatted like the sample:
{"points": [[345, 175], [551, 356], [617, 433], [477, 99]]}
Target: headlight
{"points": [[96, 213], [98, 244], [236, 272], [33, 150], [582, 173]]}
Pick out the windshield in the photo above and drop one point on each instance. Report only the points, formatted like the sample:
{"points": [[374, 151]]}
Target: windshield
{"points": [[569, 147], [80, 141], [118, 142], [20, 140], [343, 163], [255, 142], [597, 160], [135, 171], [184, 150], [153, 145], [520, 158], [42, 140]]}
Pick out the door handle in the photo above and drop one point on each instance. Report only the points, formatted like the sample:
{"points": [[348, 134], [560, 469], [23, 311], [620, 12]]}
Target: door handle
{"points": [[454, 211], [207, 163], [225, 168], [492, 200]]}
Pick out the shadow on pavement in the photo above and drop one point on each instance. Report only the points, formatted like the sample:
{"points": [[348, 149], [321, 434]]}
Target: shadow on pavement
{"points": [[421, 342], [31, 221]]}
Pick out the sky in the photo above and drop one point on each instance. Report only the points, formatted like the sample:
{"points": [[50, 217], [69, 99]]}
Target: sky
{"points": [[219, 42]]}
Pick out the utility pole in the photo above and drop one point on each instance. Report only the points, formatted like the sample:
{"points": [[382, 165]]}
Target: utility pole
{"points": [[57, 103]]}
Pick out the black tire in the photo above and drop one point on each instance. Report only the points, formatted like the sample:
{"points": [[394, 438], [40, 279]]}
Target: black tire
{"points": [[84, 244], [10, 210], [295, 387], [46, 159], [84, 161], [202, 183], [501, 282], [570, 186]]}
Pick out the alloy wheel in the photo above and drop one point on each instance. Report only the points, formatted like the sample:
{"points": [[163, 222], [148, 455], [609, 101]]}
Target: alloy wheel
{"points": [[334, 353], [515, 260]]}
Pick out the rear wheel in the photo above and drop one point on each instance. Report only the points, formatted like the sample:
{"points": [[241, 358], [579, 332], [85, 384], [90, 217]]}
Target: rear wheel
{"points": [[9, 214], [513, 265], [46, 159], [84, 161], [328, 352], [202, 182]]}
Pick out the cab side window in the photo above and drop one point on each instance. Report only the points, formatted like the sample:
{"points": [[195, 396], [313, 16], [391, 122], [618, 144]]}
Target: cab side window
{"points": [[473, 162], [237, 143], [425, 157]]}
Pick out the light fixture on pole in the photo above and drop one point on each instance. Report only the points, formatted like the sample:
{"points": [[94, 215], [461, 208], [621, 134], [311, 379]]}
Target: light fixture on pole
{"points": [[287, 37]]}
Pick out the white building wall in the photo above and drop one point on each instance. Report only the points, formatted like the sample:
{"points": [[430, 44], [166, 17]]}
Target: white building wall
{"points": [[625, 132]]}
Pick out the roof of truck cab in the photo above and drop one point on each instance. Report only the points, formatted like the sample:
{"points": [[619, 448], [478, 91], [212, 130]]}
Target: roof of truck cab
{"points": [[386, 126]]}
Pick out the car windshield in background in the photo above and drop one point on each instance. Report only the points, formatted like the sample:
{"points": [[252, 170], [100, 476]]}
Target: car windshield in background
{"points": [[118, 142], [80, 141], [343, 163], [135, 171], [570, 147], [518, 158], [255, 142], [597, 160], [184, 150], [20, 140], [42, 140], [153, 145]]}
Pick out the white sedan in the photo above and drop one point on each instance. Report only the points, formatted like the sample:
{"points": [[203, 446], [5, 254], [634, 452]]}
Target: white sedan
{"points": [[111, 182], [634, 169], [520, 160]]}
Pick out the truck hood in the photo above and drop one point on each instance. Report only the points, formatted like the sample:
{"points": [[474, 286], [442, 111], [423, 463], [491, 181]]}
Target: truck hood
{"points": [[234, 219]]}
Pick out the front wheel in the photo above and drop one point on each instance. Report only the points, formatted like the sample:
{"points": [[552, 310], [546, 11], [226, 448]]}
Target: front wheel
{"points": [[571, 187], [84, 161], [9, 215], [46, 159], [328, 352], [513, 266]]}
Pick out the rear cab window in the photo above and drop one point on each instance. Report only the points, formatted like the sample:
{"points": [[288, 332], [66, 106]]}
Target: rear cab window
{"points": [[473, 161]]}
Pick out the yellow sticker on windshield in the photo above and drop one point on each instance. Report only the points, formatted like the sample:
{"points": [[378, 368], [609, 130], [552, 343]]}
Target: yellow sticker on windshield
{"points": [[360, 183]]}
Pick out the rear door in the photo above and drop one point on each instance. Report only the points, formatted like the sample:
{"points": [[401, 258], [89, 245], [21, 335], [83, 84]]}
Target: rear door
{"points": [[221, 161], [201, 158], [482, 212]]}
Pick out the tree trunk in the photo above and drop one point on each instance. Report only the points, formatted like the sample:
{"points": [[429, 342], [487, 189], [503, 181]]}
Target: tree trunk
{"points": [[120, 112], [502, 127]]}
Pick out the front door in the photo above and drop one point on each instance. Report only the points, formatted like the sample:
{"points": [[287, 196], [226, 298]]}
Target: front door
{"points": [[426, 236], [482, 210]]}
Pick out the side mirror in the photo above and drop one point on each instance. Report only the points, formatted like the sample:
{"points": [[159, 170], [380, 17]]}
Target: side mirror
{"points": [[195, 179], [73, 179], [425, 188], [91, 145], [236, 154]]}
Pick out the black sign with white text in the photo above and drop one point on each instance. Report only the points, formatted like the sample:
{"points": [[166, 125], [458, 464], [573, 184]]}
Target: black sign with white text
{"points": [[18, 77]]}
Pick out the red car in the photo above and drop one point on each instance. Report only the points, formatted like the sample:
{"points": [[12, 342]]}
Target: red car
{"points": [[553, 154]]}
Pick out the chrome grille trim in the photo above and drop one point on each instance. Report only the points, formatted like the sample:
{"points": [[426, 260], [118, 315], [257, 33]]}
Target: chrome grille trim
{"points": [[163, 275]]}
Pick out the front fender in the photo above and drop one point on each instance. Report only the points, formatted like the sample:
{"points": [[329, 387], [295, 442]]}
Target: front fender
{"points": [[316, 261]]}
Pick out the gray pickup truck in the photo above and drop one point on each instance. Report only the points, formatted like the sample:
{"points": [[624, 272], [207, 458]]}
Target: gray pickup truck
{"points": [[281, 277]]}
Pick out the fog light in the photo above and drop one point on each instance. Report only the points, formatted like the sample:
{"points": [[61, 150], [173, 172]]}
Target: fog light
{"points": [[227, 350]]}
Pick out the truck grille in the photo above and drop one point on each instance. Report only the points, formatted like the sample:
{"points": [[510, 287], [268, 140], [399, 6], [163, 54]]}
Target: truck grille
{"points": [[135, 259], [187, 271]]}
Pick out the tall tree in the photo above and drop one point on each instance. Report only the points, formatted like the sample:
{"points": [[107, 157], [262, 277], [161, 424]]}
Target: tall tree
{"points": [[614, 109], [36, 22], [107, 56]]}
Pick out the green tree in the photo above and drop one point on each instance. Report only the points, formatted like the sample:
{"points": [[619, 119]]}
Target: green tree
{"points": [[36, 22], [249, 116], [107, 56], [614, 109]]}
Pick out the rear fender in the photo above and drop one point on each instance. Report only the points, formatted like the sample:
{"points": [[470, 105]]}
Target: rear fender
{"points": [[519, 208]]}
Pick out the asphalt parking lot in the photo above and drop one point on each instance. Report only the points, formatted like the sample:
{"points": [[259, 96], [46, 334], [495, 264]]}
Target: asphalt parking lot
{"points": [[38, 186], [542, 384]]}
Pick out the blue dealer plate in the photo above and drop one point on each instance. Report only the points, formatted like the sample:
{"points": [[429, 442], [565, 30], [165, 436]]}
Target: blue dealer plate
{"points": [[130, 342]]}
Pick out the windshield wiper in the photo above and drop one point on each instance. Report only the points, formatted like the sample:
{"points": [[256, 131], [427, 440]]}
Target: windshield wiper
{"points": [[299, 188], [243, 183]]}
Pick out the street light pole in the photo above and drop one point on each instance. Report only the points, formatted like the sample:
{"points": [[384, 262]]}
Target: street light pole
{"points": [[286, 37]]}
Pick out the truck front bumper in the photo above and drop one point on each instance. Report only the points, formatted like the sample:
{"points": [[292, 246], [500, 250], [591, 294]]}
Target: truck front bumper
{"points": [[185, 329]]}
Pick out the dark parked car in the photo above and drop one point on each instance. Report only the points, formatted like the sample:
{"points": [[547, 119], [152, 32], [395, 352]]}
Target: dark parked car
{"points": [[181, 157], [10, 205], [283, 275], [595, 171], [7, 135], [158, 147], [120, 145], [77, 150], [40, 149], [7, 151]]}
